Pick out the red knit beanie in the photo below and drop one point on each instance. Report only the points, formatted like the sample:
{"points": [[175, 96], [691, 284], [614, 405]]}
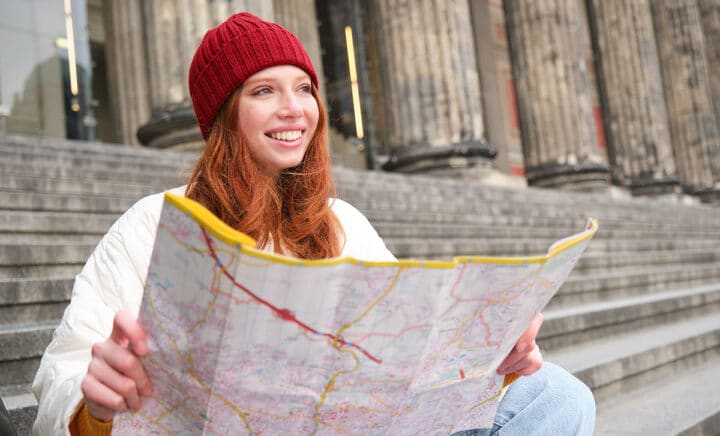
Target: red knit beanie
{"points": [[233, 51]]}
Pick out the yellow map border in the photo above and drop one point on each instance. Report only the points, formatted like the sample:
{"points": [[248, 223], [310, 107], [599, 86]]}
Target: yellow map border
{"points": [[246, 244]]}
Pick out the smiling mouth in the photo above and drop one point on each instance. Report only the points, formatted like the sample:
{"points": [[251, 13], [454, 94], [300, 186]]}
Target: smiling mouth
{"points": [[292, 135]]}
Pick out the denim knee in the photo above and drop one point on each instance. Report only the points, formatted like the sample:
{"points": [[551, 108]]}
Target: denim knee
{"points": [[551, 401]]}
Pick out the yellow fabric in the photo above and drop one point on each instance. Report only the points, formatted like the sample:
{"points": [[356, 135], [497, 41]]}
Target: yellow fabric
{"points": [[84, 424], [509, 378]]}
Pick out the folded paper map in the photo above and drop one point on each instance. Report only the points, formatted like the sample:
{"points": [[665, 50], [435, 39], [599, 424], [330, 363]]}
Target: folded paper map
{"points": [[246, 342]]}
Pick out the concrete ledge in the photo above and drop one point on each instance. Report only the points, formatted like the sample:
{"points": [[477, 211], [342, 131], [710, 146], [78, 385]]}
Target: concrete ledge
{"points": [[65, 202], [686, 403], [619, 363], [12, 182], [44, 254], [566, 326], [33, 290], [55, 222], [52, 170]]}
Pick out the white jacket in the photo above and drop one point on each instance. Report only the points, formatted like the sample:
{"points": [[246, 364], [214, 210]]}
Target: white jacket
{"points": [[112, 279]]}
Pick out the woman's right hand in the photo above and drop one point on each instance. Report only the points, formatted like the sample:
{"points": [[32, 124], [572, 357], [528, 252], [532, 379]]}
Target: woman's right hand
{"points": [[116, 379]]}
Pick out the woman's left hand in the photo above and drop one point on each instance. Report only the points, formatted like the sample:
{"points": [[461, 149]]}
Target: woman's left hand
{"points": [[525, 357]]}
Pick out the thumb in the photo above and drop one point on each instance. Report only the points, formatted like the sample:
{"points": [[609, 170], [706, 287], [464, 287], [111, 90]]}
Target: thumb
{"points": [[127, 331]]}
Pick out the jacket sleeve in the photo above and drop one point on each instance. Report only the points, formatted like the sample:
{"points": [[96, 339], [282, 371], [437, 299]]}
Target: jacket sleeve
{"points": [[112, 279]]}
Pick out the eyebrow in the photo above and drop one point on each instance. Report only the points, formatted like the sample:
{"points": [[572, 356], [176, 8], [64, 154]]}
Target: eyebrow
{"points": [[260, 79]]}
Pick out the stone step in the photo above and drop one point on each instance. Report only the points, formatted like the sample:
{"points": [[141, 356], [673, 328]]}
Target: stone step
{"points": [[24, 300], [27, 221], [439, 230], [12, 182], [571, 325], [118, 202], [610, 285], [37, 169], [449, 247], [616, 364], [568, 223], [82, 162], [592, 262], [23, 345], [99, 152], [28, 313], [38, 144], [35, 290], [21, 406], [361, 182], [687, 403], [48, 238], [44, 254], [30, 201], [397, 188], [39, 271]]}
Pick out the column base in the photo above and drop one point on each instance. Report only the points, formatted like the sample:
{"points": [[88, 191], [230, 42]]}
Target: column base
{"points": [[586, 177], [653, 187], [443, 159], [706, 195], [175, 128]]}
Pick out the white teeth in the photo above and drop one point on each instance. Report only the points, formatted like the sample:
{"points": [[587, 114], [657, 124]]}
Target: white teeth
{"points": [[286, 136]]}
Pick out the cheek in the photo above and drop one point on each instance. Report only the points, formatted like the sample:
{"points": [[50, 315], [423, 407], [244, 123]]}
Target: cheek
{"points": [[251, 122]]}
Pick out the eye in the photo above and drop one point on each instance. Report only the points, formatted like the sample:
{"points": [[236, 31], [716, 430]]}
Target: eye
{"points": [[262, 91], [306, 88]]}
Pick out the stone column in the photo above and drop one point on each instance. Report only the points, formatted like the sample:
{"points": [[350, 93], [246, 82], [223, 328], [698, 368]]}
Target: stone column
{"points": [[493, 55], [152, 43], [554, 94], [126, 67], [693, 125], [300, 17], [636, 121], [430, 87], [173, 30], [710, 13]]}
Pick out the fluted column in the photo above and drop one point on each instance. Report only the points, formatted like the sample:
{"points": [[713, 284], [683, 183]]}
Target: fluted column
{"points": [[431, 90], [554, 94], [126, 68], [173, 29], [693, 125], [300, 17], [710, 13], [636, 121]]}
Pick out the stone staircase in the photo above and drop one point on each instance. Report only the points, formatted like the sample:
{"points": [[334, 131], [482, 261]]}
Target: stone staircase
{"points": [[638, 320]]}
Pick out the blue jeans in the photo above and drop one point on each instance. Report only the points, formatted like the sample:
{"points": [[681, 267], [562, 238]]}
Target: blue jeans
{"points": [[549, 402]]}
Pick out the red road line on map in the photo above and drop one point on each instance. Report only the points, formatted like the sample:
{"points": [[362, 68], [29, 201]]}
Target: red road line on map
{"points": [[284, 314]]}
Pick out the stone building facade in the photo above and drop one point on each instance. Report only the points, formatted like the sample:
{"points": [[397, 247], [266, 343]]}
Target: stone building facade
{"points": [[571, 94]]}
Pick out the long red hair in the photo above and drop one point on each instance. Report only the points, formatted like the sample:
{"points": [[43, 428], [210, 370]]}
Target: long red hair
{"points": [[290, 209]]}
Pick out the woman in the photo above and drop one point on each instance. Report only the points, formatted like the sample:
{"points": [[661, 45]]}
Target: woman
{"points": [[265, 171]]}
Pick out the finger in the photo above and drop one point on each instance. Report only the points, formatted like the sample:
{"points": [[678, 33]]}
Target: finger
{"points": [[126, 329], [102, 402], [528, 338], [118, 383], [515, 356], [531, 363], [127, 364]]}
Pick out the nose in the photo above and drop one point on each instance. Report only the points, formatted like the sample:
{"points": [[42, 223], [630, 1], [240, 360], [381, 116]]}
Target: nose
{"points": [[290, 106]]}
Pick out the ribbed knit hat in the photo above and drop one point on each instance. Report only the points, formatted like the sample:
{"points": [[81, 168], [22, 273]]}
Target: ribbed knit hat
{"points": [[233, 51]]}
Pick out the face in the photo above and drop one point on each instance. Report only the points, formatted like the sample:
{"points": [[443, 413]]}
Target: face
{"points": [[278, 116]]}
